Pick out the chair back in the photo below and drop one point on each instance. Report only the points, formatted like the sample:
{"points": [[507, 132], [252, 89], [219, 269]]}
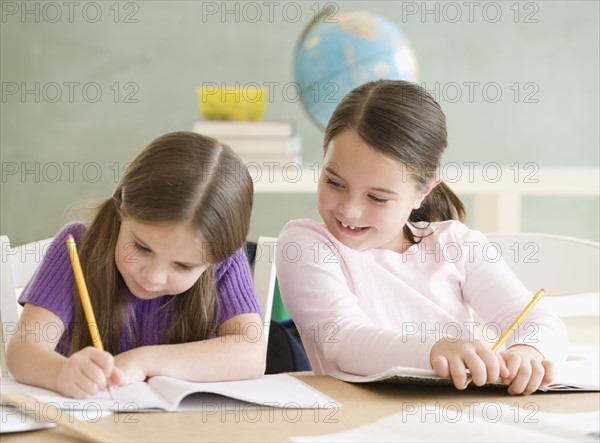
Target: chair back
{"points": [[17, 266], [263, 277], [561, 265]]}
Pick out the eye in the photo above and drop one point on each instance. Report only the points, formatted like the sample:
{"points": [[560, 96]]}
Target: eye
{"points": [[378, 200], [184, 268], [332, 182], [141, 248]]}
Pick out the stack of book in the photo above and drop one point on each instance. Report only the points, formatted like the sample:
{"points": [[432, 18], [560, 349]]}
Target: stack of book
{"points": [[271, 142]]}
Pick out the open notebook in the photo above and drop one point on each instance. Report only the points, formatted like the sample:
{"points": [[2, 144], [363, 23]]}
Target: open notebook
{"points": [[573, 375], [170, 394]]}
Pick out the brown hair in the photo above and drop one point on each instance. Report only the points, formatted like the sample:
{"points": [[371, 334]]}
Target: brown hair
{"points": [[402, 121], [180, 177]]}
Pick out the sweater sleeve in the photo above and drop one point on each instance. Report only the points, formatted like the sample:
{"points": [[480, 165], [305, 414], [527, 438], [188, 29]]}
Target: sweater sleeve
{"points": [[336, 333], [498, 296], [51, 286], [234, 287]]}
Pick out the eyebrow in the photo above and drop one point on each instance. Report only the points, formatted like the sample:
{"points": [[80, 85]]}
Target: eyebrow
{"points": [[330, 170], [138, 240]]}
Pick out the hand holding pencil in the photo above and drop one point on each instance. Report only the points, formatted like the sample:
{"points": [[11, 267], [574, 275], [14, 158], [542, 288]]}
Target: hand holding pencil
{"points": [[518, 320], [519, 355], [462, 359]]}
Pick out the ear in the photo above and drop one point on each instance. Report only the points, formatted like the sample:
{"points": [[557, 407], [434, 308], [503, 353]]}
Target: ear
{"points": [[429, 186]]}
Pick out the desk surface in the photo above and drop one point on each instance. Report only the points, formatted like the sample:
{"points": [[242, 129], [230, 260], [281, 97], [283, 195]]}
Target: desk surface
{"points": [[361, 404]]}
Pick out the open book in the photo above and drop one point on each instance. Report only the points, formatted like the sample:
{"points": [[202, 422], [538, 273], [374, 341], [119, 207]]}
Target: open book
{"points": [[170, 394], [573, 375]]}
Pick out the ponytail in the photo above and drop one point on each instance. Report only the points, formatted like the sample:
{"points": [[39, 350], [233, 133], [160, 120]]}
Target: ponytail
{"points": [[441, 204]]}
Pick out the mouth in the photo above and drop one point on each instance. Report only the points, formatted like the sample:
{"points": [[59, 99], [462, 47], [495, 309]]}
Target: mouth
{"points": [[144, 290], [350, 229]]}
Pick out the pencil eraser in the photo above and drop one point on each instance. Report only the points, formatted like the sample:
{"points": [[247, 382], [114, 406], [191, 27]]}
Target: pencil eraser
{"points": [[69, 237]]}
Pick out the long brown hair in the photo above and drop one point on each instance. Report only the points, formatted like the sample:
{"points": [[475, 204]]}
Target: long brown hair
{"points": [[402, 121], [180, 177]]}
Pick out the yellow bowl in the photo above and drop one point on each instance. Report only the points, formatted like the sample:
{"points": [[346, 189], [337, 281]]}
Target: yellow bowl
{"points": [[239, 102]]}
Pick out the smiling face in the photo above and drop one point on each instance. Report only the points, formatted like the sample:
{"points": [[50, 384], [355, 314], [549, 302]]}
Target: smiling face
{"points": [[365, 197], [158, 259]]}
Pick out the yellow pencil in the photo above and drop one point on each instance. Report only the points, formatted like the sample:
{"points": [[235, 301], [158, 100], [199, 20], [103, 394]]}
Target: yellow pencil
{"points": [[518, 320], [85, 297]]}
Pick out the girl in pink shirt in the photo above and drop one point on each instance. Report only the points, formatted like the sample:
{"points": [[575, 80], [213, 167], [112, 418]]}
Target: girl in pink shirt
{"points": [[390, 277]]}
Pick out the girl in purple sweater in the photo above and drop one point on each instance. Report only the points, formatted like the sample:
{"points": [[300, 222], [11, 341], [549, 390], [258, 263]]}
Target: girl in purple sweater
{"points": [[167, 275]]}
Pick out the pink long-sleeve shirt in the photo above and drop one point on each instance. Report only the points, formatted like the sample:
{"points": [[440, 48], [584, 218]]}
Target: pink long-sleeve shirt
{"points": [[365, 311]]}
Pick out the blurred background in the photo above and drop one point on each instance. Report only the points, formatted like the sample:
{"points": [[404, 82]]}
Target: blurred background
{"points": [[85, 85]]}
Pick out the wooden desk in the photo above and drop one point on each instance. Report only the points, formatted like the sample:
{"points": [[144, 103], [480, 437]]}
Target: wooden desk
{"points": [[361, 404]]}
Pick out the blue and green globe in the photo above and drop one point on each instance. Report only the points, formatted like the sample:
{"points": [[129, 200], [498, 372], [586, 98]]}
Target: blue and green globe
{"points": [[334, 56]]}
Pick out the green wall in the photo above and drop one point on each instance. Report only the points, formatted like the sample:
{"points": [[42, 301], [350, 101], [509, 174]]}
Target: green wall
{"points": [[63, 145]]}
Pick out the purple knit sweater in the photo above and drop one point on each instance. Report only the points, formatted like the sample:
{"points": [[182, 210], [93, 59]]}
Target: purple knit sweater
{"points": [[51, 287]]}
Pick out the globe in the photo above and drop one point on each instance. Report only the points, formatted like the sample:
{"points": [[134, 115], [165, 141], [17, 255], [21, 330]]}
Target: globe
{"points": [[334, 56]]}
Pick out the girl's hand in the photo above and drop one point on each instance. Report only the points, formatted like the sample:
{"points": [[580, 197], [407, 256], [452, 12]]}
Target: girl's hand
{"points": [[85, 373], [450, 358], [129, 367], [527, 369]]}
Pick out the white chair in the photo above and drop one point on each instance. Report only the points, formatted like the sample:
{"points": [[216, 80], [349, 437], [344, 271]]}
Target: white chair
{"points": [[263, 277], [17, 266], [567, 268], [561, 265]]}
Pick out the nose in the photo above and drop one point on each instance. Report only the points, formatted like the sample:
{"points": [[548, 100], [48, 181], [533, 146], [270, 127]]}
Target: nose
{"points": [[351, 207], [154, 274]]}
